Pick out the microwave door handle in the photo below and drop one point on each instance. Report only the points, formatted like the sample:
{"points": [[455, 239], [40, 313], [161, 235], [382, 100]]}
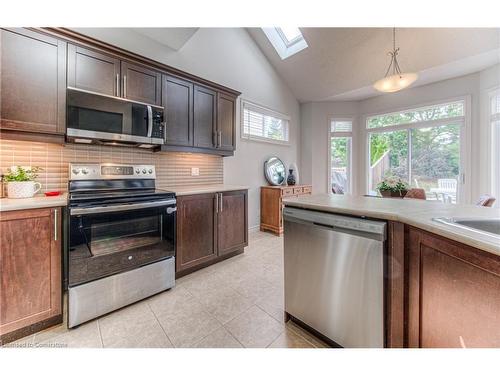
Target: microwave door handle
{"points": [[150, 121]]}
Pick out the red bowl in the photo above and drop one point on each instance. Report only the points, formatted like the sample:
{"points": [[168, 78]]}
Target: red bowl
{"points": [[52, 193]]}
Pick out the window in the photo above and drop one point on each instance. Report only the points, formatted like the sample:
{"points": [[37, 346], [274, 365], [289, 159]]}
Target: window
{"points": [[287, 41], [495, 130], [260, 123], [340, 146], [290, 35], [422, 146]]}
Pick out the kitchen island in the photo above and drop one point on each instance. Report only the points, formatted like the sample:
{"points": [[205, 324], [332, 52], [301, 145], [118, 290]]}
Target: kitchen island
{"points": [[441, 282]]}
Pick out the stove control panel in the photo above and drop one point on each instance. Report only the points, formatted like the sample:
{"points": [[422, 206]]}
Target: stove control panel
{"points": [[111, 171]]}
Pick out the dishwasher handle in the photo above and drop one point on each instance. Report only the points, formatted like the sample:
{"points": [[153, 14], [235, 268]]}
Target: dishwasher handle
{"points": [[373, 229]]}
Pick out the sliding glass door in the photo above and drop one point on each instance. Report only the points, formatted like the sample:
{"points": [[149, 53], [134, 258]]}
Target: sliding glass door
{"points": [[422, 147]]}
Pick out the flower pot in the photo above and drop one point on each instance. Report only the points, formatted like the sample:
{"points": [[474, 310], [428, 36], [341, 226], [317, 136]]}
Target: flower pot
{"points": [[393, 194], [25, 189]]}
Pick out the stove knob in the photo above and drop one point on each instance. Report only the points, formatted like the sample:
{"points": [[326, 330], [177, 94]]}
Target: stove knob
{"points": [[150, 171], [85, 171], [144, 171], [137, 171], [75, 171]]}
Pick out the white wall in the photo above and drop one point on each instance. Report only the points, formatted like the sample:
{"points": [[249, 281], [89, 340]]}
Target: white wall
{"points": [[230, 57], [315, 119], [476, 86]]}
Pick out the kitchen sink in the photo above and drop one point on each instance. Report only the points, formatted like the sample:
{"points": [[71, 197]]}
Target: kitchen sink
{"points": [[490, 227]]}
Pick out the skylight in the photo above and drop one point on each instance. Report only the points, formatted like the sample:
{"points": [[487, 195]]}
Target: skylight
{"points": [[290, 35], [287, 41]]}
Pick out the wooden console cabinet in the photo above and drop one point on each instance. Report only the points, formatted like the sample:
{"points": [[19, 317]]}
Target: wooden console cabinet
{"points": [[30, 272], [271, 205], [210, 227]]}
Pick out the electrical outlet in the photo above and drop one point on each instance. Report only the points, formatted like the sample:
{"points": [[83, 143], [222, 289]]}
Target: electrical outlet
{"points": [[195, 171]]}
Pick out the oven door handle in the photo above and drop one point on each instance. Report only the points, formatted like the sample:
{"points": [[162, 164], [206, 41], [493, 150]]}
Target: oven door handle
{"points": [[121, 207]]}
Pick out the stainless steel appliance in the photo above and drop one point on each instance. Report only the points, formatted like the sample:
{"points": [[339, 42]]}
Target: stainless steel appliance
{"points": [[98, 118], [121, 245], [334, 275]]}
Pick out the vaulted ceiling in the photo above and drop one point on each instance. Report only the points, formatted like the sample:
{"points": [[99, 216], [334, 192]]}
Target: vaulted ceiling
{"points": [[343, 63]]}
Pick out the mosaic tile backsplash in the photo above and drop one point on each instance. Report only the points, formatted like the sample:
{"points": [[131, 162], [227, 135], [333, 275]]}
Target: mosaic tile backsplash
{"points": [[172, 168]]}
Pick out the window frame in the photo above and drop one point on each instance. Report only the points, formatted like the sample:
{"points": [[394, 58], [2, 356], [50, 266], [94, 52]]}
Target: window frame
{"points": [[289, 43], [266, 112], [494, 144], [331, 134], [280, 44], [464, 186]]}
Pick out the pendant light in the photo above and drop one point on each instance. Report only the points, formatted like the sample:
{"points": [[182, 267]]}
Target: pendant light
{"points": [[397, 80]]}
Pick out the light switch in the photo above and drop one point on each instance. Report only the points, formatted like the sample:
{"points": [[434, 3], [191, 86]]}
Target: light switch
{"points": [[195, 171]]}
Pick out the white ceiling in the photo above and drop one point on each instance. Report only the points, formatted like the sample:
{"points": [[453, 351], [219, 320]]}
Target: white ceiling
{"points": [[343, 63], [172, 37]]}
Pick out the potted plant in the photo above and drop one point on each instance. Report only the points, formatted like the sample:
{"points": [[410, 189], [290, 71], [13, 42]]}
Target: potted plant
{"points": [[20, 182], [392, 187]]}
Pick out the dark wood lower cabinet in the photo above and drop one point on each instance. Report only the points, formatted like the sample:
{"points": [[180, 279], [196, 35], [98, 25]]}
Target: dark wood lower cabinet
{"points": [[30, 272], [232, 226], [453, 294], [196, 229], [210, 228]]}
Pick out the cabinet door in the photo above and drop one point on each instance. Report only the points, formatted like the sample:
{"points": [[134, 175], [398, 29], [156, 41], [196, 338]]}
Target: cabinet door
{"points": [[204, 117], [30, 268], [93, 71], [33, 82], [226, 126], [196, 231], [454, 294], [178, 103], [140, 83], [232, 221]]}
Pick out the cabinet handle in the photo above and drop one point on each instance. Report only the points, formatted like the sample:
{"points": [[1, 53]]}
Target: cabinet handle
{"points": [[124, 86], [55, 225], [216, 202], [117, 85], [220, 200], [220, 139]]}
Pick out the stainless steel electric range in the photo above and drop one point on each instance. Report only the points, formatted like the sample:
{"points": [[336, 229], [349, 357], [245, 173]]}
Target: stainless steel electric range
{"points": [[121, 238]]}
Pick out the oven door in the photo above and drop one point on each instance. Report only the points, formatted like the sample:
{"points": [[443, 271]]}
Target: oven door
{"points": [[111, 239]]}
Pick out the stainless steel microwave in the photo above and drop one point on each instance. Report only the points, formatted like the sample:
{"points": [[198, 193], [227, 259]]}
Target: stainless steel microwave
{"points": [[104, 119]]}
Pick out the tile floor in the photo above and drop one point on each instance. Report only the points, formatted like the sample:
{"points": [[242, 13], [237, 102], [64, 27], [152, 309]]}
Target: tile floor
{"points": [[233, 304]]}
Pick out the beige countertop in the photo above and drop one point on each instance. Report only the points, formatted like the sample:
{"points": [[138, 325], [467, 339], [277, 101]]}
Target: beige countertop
{"points": [[39, 201], [413, 212], [203, 189]]}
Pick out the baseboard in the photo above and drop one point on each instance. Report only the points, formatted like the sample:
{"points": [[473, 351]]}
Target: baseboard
{"points": [[255, 228], [29, 330]]}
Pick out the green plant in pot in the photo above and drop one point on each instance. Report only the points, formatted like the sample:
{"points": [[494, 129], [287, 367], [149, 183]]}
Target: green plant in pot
{"points": [[393, 187], [21, 182]]}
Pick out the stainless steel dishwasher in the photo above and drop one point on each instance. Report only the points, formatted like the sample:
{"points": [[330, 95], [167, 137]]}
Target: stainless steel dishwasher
{"points": [[334, 275]]}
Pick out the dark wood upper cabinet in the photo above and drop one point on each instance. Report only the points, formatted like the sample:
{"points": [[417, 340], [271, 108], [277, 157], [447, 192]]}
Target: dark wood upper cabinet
{"points": [[196, 229], [30, 271], [38, 65], [232, 225], [104, 74], [33, 82], [93, 71], [140, 83], [178, 102], [205, 113], [226, 117], [453, 294]]}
